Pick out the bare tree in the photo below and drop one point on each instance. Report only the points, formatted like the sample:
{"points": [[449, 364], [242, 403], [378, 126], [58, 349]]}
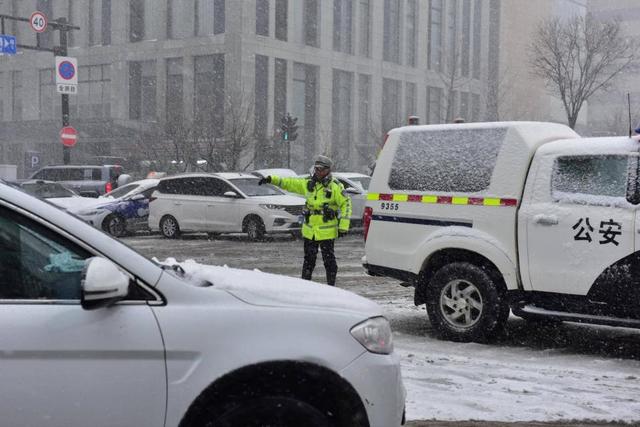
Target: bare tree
{"points": [[579, 56]]}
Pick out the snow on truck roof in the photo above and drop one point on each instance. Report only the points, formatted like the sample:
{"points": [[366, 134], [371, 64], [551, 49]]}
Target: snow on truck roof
{"points": [[599, 145]]}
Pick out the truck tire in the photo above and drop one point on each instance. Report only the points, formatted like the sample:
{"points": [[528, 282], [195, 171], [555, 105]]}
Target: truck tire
{"points": [[465, 304]]}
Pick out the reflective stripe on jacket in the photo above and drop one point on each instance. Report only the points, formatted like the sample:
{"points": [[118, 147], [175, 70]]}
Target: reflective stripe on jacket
{"points": [[332, 194]]}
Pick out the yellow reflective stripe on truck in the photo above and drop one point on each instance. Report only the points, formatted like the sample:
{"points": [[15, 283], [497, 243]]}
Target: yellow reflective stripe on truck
{"points": [[443, 200]]}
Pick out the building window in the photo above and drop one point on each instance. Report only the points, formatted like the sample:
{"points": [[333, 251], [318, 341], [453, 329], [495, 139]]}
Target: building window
{"points": [[310, 19], [304, 101], [434, 105], [282, 19], [464, 105], [453, 52], [142, 91], [410, 100], [209, 17], [175, 92], [434, 56], [411, 27], [365, 28], [305, 28], [475, 107], [136, 20], [16, 95], [477, 42], [209, 91], [364, 112], [280, 90], [1, 100], [391, 100], [261, 96], [342, 26], [466, 37], [391, 47], [341, 116], [47, 99], [177, 19], [94, 93], [262, 18], [99, 22]]}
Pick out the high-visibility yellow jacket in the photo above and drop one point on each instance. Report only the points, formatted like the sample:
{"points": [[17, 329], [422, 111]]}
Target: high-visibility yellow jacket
{"points": [[317, 226]]}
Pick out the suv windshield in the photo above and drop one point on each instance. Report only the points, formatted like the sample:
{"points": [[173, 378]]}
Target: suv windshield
{"points": [[250, 187], [47, 190]]}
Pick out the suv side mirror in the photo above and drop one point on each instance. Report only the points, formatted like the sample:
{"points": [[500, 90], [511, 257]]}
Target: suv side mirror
{"points": [[137, 197], [633, 175], [102, 284], [352, 190], [231, 194]]}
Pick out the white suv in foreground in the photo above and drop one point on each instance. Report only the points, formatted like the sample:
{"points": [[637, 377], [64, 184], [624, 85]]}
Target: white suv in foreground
{"points": [[97, 335], [223, 203]]}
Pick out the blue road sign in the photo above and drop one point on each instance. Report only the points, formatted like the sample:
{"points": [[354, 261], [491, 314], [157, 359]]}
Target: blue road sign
{"points": [[7, 44], [67, 70]]}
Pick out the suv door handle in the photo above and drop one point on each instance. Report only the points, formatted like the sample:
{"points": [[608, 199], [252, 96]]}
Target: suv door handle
{"points": [[177, 204], [543, 219]]}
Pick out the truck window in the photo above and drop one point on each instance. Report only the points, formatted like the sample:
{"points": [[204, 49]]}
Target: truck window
{"points": [[449, 160], [589, 175]]}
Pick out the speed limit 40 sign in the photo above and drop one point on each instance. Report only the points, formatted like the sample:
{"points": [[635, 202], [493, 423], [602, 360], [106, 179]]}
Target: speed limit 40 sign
{"points": [[38, 22]]}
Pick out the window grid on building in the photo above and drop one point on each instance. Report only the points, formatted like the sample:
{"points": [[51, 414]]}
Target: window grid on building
{"points": [[365, 28], [175, 91], [391, 42], [343, 26], [411, 26], [142, 90], [434, 54], [282, 24], [262, 18]]}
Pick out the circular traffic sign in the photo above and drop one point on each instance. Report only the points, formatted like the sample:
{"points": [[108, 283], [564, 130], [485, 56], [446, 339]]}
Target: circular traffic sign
{"points": [[66, 70], [38, 22], [68, 136]]}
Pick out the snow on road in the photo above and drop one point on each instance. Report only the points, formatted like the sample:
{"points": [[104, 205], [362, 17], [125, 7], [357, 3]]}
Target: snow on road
{"points": [[568, 372]]}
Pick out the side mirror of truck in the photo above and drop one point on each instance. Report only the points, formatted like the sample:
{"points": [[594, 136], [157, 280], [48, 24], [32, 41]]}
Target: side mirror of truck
{"points": [[633, 175]]}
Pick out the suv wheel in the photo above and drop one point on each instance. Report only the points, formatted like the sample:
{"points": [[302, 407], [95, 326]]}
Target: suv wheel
{"points": [[464, 303], [254, 228], [115, 225], [272, 411], [169, 227]]}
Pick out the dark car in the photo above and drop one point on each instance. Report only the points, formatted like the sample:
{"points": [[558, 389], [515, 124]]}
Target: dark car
{"points": [[87, 180]]}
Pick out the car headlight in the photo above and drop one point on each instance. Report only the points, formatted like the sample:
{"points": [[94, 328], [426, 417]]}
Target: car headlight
{"points": [[375, 335], [273, 207]]}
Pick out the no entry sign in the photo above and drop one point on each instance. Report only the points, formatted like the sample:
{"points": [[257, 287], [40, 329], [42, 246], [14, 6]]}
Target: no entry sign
{"points": [[69, 136]]}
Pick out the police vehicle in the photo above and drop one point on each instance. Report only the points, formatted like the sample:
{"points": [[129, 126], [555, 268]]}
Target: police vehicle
{"points": [[481, 218]]}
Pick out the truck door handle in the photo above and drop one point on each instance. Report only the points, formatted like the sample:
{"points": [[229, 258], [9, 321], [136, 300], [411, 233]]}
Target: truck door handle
{"points": [[545, 219]]}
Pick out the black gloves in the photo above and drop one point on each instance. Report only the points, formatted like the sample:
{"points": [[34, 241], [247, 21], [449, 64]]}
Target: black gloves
{"points": [[341, 233], [265, 180]]}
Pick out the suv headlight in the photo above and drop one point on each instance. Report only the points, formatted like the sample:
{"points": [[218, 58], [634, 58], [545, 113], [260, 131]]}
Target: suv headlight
{"points": [[273, 207], [375, 335]]}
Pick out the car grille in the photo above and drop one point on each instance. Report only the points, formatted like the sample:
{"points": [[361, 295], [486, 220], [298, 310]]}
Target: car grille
{"points": [[294, 210]]}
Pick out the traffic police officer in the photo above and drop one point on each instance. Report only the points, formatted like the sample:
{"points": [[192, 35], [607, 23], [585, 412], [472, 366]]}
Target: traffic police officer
{"points": [[326, 214]]}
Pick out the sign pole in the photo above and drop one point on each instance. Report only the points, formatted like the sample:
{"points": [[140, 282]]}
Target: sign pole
{"points": [[66, 151]]}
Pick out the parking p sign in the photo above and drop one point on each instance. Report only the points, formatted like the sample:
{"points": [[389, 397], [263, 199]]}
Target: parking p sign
{"points": [[66, 75]]}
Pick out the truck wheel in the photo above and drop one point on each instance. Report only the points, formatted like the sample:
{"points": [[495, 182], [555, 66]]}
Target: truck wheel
{"points": [[169, 227], [465, 304]]}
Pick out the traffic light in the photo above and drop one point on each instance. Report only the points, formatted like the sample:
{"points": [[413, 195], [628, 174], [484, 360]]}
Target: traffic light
{"points": [[289, 128]]}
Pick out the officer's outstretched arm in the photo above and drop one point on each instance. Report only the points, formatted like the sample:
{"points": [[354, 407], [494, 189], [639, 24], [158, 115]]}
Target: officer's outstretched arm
{"points": [[294, 185]]}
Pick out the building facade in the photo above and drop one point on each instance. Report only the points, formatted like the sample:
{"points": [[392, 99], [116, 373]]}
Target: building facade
{"points": [[177, 81]]}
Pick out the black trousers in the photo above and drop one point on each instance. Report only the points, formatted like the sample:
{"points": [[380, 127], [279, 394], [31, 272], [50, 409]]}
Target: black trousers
{"points": [[328, 257]]}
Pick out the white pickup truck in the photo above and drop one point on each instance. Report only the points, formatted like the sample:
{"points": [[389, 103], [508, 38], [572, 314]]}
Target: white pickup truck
{"points": [[485, 217]]}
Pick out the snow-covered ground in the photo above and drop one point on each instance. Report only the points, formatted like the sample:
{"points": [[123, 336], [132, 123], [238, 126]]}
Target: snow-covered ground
{"points": [[570, 372]]}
